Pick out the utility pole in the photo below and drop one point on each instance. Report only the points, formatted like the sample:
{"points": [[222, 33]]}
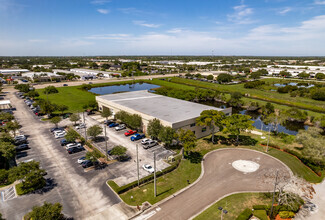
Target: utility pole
{"points": [[83, 114], [106, 139], [138, 165], [268, 139], [275, 184], [154, 174]]}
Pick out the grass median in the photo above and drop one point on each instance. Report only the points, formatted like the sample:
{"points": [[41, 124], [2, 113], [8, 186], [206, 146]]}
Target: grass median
{"points": [[235, 204]]}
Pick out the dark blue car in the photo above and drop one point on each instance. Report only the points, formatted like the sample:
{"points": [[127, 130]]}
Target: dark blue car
{"points": [[137, 137], [64, 142], [113, 125]]}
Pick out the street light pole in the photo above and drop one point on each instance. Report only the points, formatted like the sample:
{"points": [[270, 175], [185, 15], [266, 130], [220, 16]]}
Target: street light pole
{"points": [[83, 114], [106, 143], [268, 139], [138, 166], [154, 174]]}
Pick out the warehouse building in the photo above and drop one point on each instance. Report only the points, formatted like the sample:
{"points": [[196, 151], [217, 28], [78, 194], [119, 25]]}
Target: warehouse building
{"points": [[171, 112]]}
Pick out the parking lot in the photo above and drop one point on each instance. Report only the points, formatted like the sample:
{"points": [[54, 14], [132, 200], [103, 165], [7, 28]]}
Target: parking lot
{"points": [[83, 193], [126, 172]]}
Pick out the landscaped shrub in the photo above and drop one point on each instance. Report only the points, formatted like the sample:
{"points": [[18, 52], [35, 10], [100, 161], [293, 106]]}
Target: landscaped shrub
{"points": [[260, 207], [245, 215], [286, 214], [261, 214], [122, 189]]}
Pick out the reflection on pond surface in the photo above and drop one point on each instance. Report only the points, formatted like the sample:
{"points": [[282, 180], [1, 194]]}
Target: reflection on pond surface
{"points": [[123, 88]]}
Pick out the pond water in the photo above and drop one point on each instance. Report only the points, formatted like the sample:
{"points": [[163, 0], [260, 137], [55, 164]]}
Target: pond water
{"points": [[291, 128], [299, 85], [123, 88]]}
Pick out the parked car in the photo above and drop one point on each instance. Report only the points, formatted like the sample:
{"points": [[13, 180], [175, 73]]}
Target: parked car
{"points": [[90, 83], [22, 147], [137, 137], [124, 157], [120, 127], [72, 145], [81, 126], [81, 160], [87, 164], [108, 122], [145, 141], [56, 133], [64, 142], [148, 168], [60, 135], [74, 150], [113, 125], [150, 144], [20, 137], [130, 132], [65, 84], [21, 141], [56, 129]]}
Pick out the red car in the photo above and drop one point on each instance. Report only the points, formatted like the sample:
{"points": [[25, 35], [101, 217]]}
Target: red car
{"points": [[130, 132]]}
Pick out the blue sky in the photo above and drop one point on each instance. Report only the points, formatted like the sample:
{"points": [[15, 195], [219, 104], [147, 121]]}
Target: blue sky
{"points": [[162, 27]]}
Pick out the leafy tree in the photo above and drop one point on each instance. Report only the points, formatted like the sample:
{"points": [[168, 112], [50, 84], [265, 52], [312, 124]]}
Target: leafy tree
{"points": [[33, 94], [62, 108], [86, 87], [56, 120], [304, 75], [50, 90], [255, 75], [153, 128], [19, 172], [236, 99], [7, 151], [211, 118], [106, 113], [135, 122], [224, 78], [210, 77], [71, 135], [285, 73], [45, 212], [91, 156], [33, 180], [320, 76], [4, 116], [237, 123], [47, 107], [188, 139], [94, 131], [294, 114], [4, 174], [318, 94], [12, 126], [74, 118], [118, 151], [23, 87], [166, 135]]}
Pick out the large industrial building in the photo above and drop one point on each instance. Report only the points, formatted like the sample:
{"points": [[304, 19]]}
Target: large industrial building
{"points": [[171, 112]]}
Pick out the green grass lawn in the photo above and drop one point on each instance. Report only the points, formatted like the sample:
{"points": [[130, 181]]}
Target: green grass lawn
{"points": [[257, 94], [235, 204], [71, 96], [166, 184]]}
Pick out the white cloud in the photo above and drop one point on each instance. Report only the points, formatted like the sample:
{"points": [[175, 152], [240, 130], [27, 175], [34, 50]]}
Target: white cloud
{"points": [[37, 40], [103, 11], [130, 11], [241, 15], [100, 2], [144, 24], [319, 2], [284, 11], [109, 37]]}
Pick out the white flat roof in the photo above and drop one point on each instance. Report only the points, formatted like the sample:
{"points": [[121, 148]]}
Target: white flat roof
{"points": [[162, 107]]}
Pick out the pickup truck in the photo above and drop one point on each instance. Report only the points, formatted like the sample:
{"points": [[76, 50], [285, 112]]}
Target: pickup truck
{"points": [[137, 137]]}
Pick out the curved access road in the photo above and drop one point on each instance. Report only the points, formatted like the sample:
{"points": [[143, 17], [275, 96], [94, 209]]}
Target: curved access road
{"points": [[220, 179]]}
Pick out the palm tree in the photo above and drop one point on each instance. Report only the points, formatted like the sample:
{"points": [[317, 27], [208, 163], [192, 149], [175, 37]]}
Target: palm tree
{"points": [[212, 119]]}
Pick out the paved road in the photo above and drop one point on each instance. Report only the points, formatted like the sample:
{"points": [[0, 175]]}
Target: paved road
{"points": [[220, 179], [76, 83], [82, 194]]}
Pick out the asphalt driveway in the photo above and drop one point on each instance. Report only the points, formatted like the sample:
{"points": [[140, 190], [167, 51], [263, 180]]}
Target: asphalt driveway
{"points": [[220, 179]]}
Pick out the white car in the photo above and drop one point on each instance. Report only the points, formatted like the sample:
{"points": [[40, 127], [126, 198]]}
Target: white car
{"points": [[59, 135], [80, 126], [20, 137], [148, 168], [145, 141], [72, 145], [81, 160], [59, 132]]}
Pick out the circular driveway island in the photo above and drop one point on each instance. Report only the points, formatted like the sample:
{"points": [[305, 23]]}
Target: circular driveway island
{"points": [[220, 178]]}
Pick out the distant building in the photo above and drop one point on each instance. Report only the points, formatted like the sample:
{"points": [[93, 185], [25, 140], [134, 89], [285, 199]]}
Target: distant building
{"points": [[13, 72], [43, 76], [171, 112]]}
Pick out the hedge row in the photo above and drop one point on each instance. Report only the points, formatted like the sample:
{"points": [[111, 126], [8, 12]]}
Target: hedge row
{"points": [[245, 215], [315, 165], [279, 208], [125, 188]]}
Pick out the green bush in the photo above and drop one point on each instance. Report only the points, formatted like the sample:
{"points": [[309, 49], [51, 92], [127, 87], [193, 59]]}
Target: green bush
{"points": [[260, 207], [4, 174], [253, 84], [286, 214], [122, 189], [261, 214], [245, 215]]}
